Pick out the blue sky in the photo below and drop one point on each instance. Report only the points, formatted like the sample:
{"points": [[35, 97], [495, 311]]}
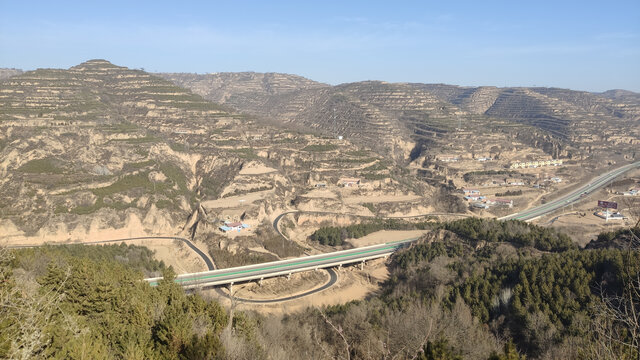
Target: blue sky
{"points": [[582, 45]]}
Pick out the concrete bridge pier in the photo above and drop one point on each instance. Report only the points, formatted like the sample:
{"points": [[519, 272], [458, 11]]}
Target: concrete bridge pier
{"points": [[230, 286], [362, 265], [260, 281]]}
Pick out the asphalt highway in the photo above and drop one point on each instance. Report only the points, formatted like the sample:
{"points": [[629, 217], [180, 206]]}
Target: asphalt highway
{"points": [[573, 196], [285, 267], [333, 278]]}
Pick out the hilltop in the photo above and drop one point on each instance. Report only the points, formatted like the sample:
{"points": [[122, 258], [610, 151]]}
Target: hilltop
{"points": [[567, 121]]}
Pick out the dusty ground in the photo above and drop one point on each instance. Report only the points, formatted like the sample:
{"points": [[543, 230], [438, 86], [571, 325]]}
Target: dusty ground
{"points": [[378, 198], [255, 168], [352, 284], [321, 193], [234, 201], [174, 253], [383, 236]]}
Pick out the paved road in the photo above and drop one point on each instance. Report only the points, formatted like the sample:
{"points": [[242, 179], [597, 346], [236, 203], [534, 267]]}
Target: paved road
{"points": [[333, 278], [573, 196], [285, 267]]}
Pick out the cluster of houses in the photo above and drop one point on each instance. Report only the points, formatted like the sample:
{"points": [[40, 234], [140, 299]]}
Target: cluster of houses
{"points": [[448, 158], [607, 215], [535, 164], [482, 202], [345, 182], [455, 158], [504, 182]]}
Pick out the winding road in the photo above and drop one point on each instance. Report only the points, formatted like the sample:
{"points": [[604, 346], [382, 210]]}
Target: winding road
{"points": [[333, 278], [207, 260], [229, 276]]}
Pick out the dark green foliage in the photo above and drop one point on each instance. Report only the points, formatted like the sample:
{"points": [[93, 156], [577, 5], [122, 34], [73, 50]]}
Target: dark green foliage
{"points": [[374, 176], [42, 166], [439, 350], [105, 310], [470, 175], [320, 148], [510, 193], [334, 236], [275, 243], [556, 287], [509, 353], [427, 252], [140, 180], [619, 239], [537, 299], [512, 231], [134, 257]]}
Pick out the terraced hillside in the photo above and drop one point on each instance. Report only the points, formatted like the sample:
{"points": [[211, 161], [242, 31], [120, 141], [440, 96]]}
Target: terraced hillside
{"points": [[7, 73], [99, 151], [400, 120], [99, 92], [586, 120], [248, 91], [396, 118]]}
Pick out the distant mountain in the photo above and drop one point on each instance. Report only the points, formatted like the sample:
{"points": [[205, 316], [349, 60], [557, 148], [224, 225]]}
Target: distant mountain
{"points": [[565, 113], [383, 114], [244, 90]]}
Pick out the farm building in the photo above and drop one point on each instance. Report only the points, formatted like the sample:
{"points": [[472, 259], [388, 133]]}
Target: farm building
{"points": [[233, 226]]}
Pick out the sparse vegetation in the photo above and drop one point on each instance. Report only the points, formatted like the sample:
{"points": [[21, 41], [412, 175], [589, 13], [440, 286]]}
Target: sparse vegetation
{"points": [[510, 193], [42, 166], [335, 236], [320, 147]]}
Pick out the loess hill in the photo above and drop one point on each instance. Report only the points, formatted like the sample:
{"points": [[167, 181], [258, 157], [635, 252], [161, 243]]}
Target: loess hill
{"points": [[395, 114], [100, 151]]}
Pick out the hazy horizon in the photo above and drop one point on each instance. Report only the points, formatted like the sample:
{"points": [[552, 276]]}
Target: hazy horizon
{"points": [[581, 46]]}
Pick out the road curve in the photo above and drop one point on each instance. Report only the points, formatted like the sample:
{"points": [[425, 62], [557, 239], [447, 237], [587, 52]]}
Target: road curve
{"points": [[333, 278], [285, 267], [594, 185], [207, 260]]}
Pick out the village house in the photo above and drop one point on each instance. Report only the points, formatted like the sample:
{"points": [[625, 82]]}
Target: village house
{"points": [[474, 197], [447, 158], [233, 226], [471, 191], [632, 192], [349, 182]]}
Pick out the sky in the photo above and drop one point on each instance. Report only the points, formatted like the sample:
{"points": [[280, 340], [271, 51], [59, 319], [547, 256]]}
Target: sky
{"points": [[581, 45]]}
